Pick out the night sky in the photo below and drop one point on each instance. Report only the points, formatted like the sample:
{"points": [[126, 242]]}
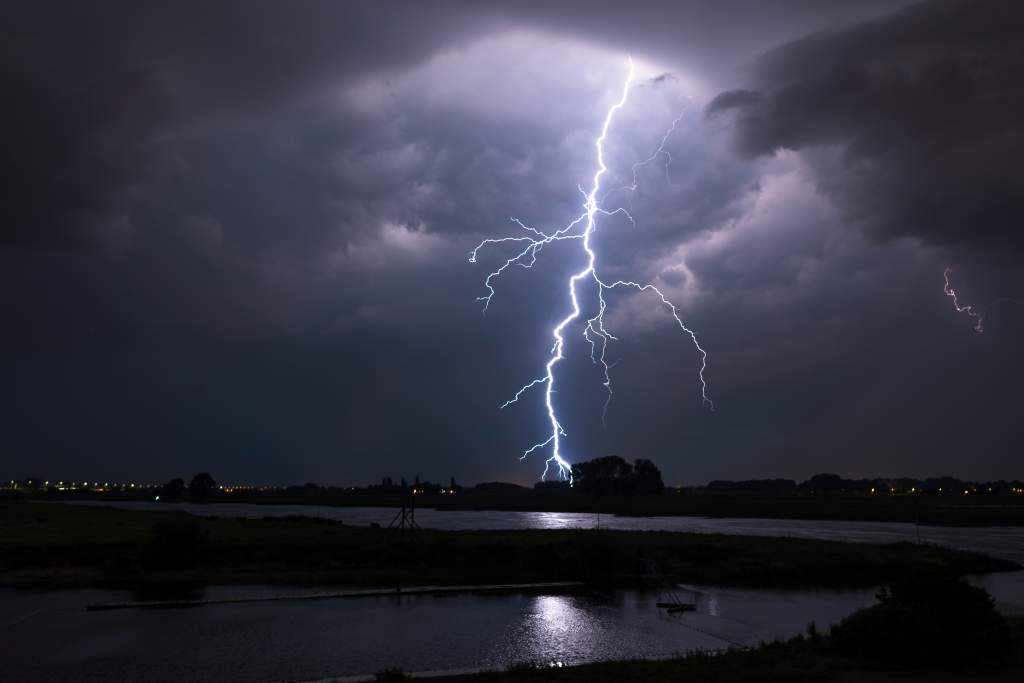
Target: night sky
{"points": [[235, 237]]}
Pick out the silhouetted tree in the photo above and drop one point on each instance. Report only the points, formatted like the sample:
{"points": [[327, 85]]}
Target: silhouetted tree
{"points": [[613, 476], [173, 491], [202, 487], [824, 482], [648, 477], [605, 476]]}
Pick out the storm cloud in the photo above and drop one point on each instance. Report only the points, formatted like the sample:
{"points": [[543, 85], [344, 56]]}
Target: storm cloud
{"points": [[235, 236], [913, 120]]}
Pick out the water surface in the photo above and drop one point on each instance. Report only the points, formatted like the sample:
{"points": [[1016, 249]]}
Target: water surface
{"points": [[48, 636]]}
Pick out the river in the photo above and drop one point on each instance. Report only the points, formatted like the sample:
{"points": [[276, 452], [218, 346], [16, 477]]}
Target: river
{"points": [[49, 636]]}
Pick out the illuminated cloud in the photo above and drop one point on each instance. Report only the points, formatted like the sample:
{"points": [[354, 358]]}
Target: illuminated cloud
{"points": [[266, 238]]}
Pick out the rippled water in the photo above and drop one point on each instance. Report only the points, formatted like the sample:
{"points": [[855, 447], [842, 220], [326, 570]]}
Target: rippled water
{"points": [[1005, 542], [50, 637]]}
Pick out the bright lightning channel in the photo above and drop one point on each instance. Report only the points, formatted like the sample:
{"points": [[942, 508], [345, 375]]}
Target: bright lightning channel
{"points": [[596, 334], [969, 310]]}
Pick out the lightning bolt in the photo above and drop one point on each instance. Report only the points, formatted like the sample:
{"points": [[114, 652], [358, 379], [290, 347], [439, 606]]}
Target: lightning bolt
{"points": [[969, 310], [582, 228], [661, 151]]}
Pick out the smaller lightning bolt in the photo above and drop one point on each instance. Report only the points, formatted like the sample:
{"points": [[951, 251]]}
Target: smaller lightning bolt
{"points": [[660, 152], [969, 310]]}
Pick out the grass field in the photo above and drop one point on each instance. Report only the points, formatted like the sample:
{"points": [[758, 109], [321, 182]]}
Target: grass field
{"points": [[60, 545]]}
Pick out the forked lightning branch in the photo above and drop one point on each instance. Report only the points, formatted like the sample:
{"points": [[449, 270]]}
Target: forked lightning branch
{"points": [[528, 245]]}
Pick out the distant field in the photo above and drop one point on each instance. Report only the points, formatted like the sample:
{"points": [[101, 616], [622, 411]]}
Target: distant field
{"points": [[70, 545]]}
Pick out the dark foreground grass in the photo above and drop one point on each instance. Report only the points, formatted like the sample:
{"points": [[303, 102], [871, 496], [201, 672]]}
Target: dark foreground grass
{"points": [[68, 545], [800, 659]]}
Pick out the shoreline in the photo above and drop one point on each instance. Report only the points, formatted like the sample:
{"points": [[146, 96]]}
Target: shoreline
{"points": [[927, 511], [797, 659], [85, 546]]}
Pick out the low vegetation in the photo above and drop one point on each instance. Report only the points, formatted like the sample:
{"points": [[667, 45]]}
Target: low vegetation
{"points": [[46, 544], [924, 621]]}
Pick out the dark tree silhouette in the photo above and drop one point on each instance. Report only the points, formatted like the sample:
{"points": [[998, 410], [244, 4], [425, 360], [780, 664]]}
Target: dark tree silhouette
{"points": [[648, 477], [613, 476], [201, 488], [173, 491], [824, 482]]}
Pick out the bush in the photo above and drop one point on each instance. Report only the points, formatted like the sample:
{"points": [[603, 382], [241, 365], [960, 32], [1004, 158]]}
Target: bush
{"points": [[202, 488], [927, 621]]}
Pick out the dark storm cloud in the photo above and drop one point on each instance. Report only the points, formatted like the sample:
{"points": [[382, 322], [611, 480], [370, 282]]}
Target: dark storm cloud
{"points": [[913, 120], [235, 239], [97, 96]]}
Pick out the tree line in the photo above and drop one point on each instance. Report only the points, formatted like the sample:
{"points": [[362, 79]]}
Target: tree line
{"points": [[201, 489]]}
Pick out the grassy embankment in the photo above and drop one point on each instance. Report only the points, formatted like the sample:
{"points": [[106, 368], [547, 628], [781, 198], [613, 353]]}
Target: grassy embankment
{"points": [[58, 545], [796, 660], [934, 510]]}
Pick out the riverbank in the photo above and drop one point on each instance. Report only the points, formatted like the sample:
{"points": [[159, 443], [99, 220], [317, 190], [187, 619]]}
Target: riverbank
{"points": [[799, 659], [928, 510], [65, 546]]}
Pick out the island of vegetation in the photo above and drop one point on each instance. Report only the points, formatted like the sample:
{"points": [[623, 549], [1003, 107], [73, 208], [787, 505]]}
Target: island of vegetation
{"points": [[62, 545]]}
